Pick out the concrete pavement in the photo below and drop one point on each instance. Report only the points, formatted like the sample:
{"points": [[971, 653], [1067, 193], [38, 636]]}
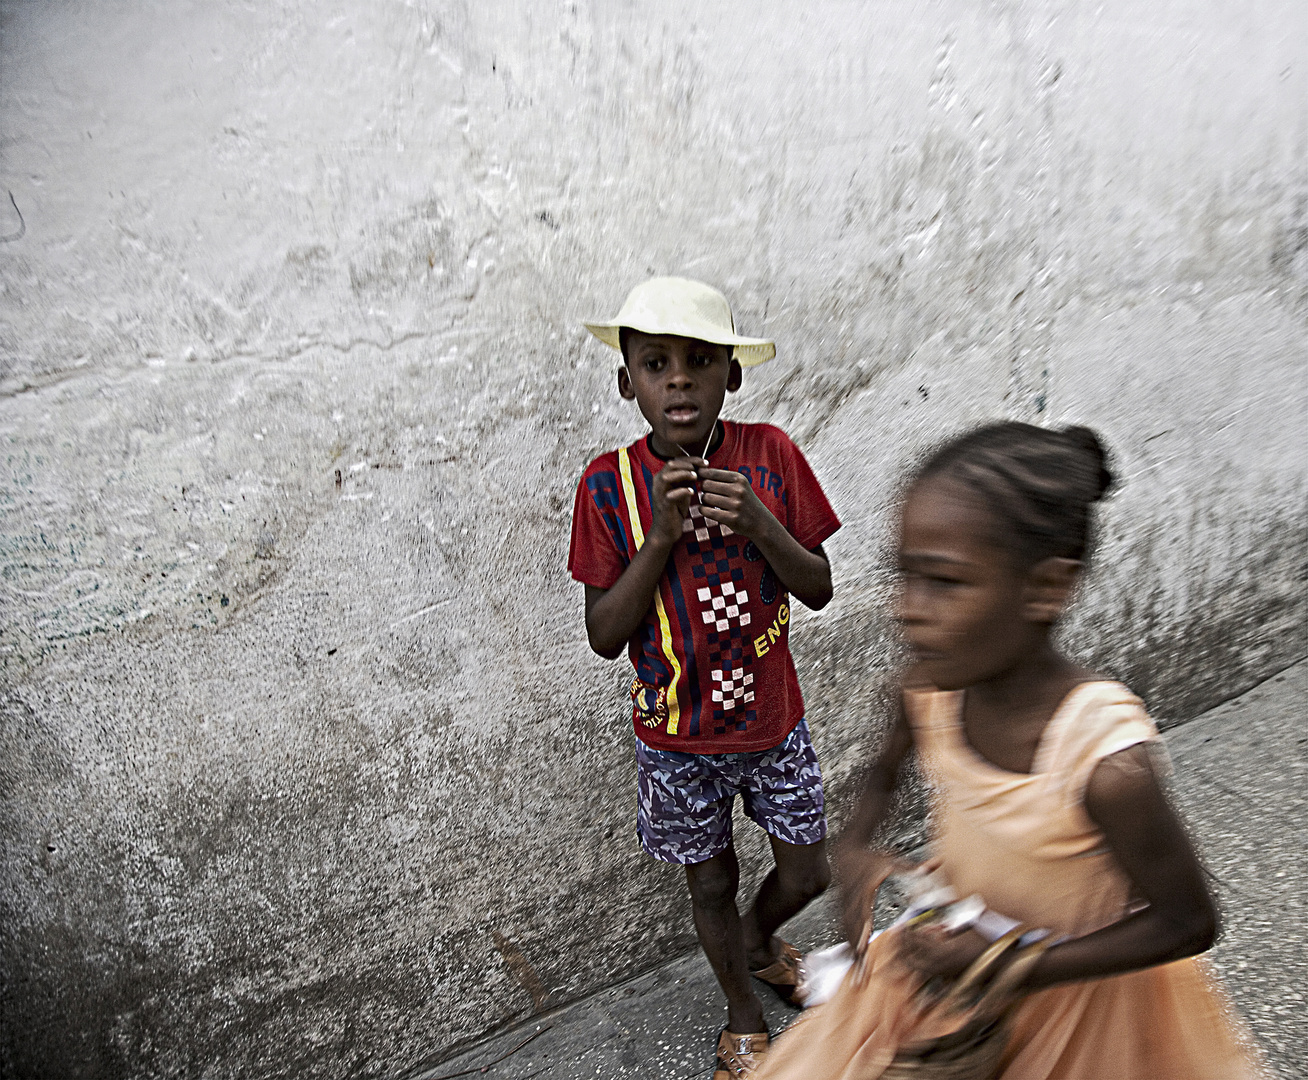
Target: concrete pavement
{"points": [[1240, 774]]}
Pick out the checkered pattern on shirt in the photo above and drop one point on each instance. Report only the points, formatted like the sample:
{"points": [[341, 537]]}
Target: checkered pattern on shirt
{"points": [[719, 575]]}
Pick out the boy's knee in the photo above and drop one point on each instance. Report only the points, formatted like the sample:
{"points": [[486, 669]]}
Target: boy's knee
{"points": [[808, 879], [711, 885], [812, 884]]}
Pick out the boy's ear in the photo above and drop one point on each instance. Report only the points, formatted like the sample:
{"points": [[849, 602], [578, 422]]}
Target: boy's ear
{"points": [[1049, 586], [733, 376], [624, 384]]}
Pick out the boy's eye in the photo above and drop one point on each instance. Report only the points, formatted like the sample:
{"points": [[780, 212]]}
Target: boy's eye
{"points": [[653, 363], [700, 360]]}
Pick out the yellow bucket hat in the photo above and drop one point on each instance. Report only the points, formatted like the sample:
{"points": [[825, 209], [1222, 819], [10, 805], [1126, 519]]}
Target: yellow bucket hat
{"points": [[673, 305]]}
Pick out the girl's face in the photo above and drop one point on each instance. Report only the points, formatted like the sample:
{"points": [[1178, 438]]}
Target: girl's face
{"points": [[963, 603]]}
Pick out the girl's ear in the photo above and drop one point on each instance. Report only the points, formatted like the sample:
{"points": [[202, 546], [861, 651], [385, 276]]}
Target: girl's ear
{"points": [[624, 384], [734, 376], [1049, 586]]}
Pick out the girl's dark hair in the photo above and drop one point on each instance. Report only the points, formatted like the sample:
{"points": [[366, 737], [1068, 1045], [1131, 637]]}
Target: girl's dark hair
{"points": [[1039, 484]]}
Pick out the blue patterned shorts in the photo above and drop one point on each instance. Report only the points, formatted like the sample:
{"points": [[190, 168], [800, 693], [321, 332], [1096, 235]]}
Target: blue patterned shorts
{"points": [[683, 802]]}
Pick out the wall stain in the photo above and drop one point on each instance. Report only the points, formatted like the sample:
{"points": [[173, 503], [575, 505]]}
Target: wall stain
{"points": [[522, 970]]}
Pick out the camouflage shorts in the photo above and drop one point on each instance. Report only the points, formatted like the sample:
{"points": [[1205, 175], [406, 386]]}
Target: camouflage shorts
{"points": [[683, 801]]}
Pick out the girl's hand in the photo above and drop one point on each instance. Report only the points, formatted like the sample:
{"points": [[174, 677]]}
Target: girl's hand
{"points": [[861, 873], [933, 950], [727, 498], [674, 484]]}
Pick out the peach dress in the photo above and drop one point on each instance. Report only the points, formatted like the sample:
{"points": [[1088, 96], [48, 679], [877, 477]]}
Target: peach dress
{"points": [[1024, 843]]}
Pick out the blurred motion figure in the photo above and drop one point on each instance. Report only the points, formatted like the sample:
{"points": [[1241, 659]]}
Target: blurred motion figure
{"points": [[1047, 807]]}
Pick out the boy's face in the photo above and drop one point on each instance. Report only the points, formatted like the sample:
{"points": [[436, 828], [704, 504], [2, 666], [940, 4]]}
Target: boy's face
{"points": [[679, 384]]}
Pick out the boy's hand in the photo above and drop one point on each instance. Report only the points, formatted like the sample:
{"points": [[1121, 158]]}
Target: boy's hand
{"points": [[673, 489], [728, 499]]}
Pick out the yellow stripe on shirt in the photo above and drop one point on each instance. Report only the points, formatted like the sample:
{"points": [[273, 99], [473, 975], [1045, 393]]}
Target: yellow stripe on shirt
{"points": [[638, 534]]}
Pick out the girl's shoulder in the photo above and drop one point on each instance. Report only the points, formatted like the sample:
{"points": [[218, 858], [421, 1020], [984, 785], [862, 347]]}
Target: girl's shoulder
{"points": [[1098, 718]]}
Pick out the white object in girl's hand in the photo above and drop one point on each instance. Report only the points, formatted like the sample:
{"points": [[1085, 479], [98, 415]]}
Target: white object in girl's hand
{"points": [[821, 972]]}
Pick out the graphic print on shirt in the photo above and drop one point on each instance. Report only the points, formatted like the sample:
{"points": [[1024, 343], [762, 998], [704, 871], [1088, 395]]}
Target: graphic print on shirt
{"points": [[665, 631], [650, 703], [714, 642], [719, 578]]}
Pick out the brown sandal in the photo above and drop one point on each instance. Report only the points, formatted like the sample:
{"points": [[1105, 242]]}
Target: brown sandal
{"points": [[783, 974], [740, 1056]]}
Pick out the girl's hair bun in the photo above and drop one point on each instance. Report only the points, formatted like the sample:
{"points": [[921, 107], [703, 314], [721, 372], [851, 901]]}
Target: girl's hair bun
{"points": [[1085, 439], [1038, 483]]}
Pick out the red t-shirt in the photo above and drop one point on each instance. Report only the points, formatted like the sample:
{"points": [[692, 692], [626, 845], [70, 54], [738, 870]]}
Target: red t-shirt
{"points": [[712, 656]]}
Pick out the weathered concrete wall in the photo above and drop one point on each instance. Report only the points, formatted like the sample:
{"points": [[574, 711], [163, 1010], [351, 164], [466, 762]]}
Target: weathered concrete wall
{"points": [[305, 768]]}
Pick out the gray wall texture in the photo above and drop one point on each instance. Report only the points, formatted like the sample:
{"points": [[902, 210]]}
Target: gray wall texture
{"points": [[305, 768]]}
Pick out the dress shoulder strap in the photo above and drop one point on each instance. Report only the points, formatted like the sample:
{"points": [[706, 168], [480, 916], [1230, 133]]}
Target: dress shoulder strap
{"points": [[931, 715], [927, 707], [1095, 720]]}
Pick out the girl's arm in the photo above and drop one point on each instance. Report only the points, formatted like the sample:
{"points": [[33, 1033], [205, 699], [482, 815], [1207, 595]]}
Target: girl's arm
{"points": [[859, 869], [1123, 798]]}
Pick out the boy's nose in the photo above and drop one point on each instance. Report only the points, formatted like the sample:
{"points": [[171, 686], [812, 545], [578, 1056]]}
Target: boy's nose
{"points": [[678, 375]]}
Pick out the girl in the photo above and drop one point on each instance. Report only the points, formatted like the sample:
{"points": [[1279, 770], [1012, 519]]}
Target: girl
{"points": [[1047, 802]]}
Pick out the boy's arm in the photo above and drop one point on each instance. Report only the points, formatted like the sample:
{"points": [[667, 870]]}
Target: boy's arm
{"points": [[613, 614], [728, 498]]}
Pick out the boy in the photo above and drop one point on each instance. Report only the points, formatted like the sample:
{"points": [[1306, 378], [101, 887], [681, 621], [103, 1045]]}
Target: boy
{"points": [[689, 542]]}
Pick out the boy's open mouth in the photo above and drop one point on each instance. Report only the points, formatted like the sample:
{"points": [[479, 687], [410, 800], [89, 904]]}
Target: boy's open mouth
{"points": [[682, 414]]}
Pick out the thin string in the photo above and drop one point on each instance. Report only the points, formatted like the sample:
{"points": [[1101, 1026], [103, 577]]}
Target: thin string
{"points": [[712, 431]]}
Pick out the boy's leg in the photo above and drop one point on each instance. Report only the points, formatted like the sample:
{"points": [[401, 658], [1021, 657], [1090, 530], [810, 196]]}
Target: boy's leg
{"points": [[801, 874], [713, 885], [683, 815], [783, 794]]}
